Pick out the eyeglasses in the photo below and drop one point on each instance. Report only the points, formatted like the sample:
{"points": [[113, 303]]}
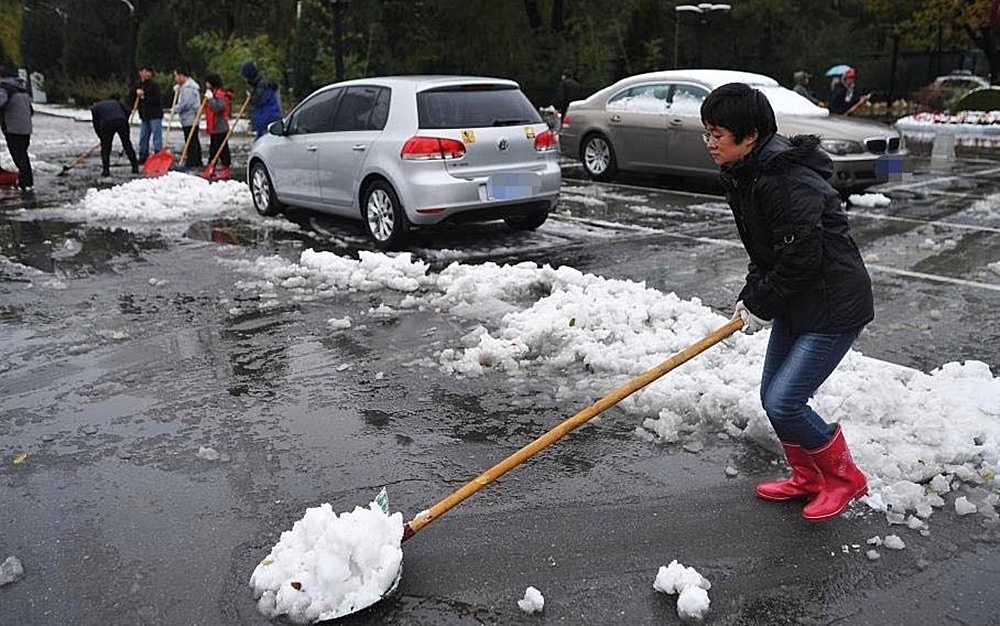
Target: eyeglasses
{"points": [[710, 138]]}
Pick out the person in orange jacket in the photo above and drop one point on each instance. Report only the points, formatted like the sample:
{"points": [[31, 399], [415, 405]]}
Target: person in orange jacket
{"points": [[218, 106]]}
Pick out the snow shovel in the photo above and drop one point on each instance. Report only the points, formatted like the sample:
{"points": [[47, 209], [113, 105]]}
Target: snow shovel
{"points": [[8, 178], [566, 426], [194, 131], [386, 581], [80, 159], [158, 164], [209, 171]]}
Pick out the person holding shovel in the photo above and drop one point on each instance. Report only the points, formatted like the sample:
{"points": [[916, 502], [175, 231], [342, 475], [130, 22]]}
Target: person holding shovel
{"points": [[110, 118], [188, 109], [218, 105], [806, 280], [147, 94], [15, 123]]}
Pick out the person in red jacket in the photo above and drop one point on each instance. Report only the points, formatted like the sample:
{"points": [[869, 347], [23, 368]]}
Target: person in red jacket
{"points": [[218, 106]]}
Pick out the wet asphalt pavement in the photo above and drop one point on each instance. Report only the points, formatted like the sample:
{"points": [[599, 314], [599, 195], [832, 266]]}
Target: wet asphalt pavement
{"points": [[121, 360]]}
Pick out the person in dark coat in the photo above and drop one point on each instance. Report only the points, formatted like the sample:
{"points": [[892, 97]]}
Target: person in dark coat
{"points": [[845, 95], [569, 90], [111, 118], [806, 280], [150, 107], [15, 123], [265, 106]]}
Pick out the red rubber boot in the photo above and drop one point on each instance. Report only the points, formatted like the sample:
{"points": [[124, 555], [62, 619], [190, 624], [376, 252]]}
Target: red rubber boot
{"points": [[805, 481], [842, 480]]}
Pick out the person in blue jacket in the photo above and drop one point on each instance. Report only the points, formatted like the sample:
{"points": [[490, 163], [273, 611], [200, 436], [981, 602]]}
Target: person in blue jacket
{"points": [[264, 104]]}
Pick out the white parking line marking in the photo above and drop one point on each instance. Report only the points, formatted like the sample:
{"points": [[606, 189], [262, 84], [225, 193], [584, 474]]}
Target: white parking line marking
{"points": [[934, 277], [943, 179], [878, 268], [911, 220]]}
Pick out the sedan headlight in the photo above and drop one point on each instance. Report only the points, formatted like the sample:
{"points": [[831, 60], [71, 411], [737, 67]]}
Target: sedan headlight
{"points": [[841, 146]]}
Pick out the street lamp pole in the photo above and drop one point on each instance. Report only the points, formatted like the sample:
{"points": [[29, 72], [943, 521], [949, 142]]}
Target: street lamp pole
{"points": [[130, 40], [702, 9]]}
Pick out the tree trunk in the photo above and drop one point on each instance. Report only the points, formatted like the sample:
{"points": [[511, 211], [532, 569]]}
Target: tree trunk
{"points": [[534, 15], [558, 15]]}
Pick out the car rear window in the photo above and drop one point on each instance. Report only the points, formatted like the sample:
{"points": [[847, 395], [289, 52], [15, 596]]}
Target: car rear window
{"points": [[475, 106]]}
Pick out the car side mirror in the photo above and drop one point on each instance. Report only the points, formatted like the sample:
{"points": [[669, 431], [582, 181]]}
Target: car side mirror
{"points": [[276, 128]]}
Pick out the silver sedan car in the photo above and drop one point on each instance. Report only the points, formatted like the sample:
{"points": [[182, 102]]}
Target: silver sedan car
{"points": [[406, 151], [652, 123]]}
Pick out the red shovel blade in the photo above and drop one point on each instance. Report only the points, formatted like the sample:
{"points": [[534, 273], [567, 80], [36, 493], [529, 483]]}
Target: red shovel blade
{"points": [[158, 164], [208, 172], [7, 178]]}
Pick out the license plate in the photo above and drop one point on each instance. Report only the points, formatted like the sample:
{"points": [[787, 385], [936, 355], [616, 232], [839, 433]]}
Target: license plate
{"points": [[512, 186]]}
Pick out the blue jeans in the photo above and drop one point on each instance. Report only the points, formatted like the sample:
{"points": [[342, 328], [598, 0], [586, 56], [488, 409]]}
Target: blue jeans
{"points": [[794, 368], [147, 129]]}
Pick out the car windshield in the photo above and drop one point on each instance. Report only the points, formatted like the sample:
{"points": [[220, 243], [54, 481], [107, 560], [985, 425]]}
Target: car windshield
{"points": [[475, 106]]}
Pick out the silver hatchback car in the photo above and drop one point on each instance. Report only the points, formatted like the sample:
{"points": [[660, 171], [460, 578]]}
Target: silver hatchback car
{"points": [[405, 151], [652, 123]]}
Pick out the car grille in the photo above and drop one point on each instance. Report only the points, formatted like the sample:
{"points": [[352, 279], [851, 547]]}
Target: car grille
{"points": [[880, 145]]}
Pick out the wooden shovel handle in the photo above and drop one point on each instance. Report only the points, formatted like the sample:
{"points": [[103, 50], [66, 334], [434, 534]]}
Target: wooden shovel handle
{"points": [[232, 127], [194, 131], [565, 427]]}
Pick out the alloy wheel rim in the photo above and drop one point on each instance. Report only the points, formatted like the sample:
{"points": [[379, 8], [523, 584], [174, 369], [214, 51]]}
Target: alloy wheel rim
{"points": [[597, 156], [260, 189], [380, 217]]}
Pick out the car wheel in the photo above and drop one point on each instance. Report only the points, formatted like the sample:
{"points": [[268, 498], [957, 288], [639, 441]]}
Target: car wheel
{"points": [[262, 190], [531, 222], [383, 215], [599, 157]]}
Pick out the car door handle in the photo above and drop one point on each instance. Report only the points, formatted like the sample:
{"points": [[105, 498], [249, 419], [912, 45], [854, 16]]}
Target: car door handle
{"points": [[676, 123], [616, 119], [359, 147], [311, 148]]}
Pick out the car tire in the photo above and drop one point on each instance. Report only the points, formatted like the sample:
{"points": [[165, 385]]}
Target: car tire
{"points": [[262, 191], [383, 216], [529, 222], [598, 157]]}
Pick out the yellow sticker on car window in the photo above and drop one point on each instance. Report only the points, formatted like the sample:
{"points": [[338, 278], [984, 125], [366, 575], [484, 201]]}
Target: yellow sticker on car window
{"points": [[468, 136], [529, 132]]}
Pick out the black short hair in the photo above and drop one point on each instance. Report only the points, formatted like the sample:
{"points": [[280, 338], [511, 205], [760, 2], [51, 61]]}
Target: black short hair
{"points": [[741, 109], [148, 68], [214, 79]]}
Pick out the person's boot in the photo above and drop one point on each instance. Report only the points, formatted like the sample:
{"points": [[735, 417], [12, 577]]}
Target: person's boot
{"points": [[105, 172], [135, 168], [223, 172], [842, 480], [805, 481]]}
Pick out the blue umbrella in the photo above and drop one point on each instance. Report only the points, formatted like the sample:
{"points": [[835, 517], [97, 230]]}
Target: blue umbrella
{"points": [[838, 70]]}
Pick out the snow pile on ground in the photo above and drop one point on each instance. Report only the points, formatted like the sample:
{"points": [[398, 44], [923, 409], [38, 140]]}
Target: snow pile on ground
{"points": [[869, 199], [532, 602], [693, 602], [918, 436], [327, 565], [171, 197]]}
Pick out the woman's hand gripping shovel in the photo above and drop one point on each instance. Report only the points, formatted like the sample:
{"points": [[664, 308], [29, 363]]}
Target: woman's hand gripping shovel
{"points": [[209, 171], [158, 164], [559, 431]]}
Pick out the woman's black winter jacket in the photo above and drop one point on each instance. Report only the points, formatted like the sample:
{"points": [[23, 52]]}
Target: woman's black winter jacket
{"points": [[805, 269]]}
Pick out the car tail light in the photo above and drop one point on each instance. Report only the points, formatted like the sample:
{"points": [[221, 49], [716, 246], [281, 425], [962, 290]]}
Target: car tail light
{"points": [[545, 141], [430, 148], [565, 122]]}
